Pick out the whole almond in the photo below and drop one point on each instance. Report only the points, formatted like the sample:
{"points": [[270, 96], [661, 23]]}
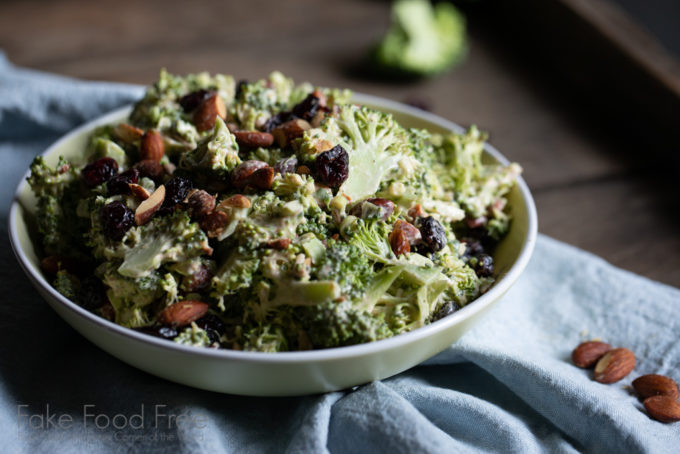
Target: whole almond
{"points": [[214, 223], [235, 201], [290, 131], [663, 408], [253, 139], [199, 203], [655, 385], [183, 312], [253, 173], [587, 353], [152, 146], [127, 133], [614, 365], [150, 169], [399, 243], [208, 111], [147, 208]]}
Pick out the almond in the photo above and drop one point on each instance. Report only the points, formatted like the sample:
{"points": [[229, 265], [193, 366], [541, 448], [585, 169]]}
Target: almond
{"points": [[253, 173], [614, 365], [139, 191], [416, 211], [214, 223], [655, 385], [663, 408], [290, 131], [150, 169], [303, 170], [236, 201], [183, 312], [208, 111], [399, 243], [147, 208], [253, 139], [152, 146], [127, 133], [199, 204], [587, 353], [278, 244]]}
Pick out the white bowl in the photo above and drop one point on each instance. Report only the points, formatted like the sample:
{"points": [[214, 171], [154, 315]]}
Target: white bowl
{"points": [[286, 373]]}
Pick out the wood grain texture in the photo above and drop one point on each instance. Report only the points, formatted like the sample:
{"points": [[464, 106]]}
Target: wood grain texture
{"points": [[593, 188]]}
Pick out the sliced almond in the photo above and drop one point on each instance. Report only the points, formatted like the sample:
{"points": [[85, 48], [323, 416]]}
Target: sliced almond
{"points": [[208, 111], [139, 191], [127, 133], [152, 146], [148, 208]]}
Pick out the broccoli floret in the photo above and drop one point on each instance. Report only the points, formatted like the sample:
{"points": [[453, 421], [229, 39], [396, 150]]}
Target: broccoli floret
{"points": [[67, 284], [422, 39], [58, 191], [237, 272], [164, 240], [216, 153], [369, 236], [338, 324], [193, 336], [347, 265], [265, 338], [259, 100]]}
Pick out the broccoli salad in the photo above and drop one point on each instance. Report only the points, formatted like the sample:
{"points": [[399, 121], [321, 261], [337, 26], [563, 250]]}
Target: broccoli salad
{"points": [[269, 216]]}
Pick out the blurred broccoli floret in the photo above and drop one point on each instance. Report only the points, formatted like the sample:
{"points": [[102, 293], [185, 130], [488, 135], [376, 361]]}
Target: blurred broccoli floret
{"points": [[216, 153], [193, 336], [369, 237], [422, 39], [67, 284], [347, 265]]}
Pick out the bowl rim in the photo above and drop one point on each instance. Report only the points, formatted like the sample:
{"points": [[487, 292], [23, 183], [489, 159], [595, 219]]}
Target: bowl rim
{"points": [[329, 354]]}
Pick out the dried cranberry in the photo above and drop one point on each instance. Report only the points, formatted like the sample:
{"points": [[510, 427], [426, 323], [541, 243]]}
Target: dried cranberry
{"points": [[211, 322], [239, 88], [192, 100], [164, 332], [92, 293], [473, 248], [433, 234], [444, 311], [332, 167], [175, 192], [100, 171], [151, 169], [277, 120], [117, 219], [483, 265], [286, 165], [306, 109], [119, 183]]}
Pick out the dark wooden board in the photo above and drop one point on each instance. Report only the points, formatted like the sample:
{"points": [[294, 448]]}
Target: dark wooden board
{"points": [[592, 185]]}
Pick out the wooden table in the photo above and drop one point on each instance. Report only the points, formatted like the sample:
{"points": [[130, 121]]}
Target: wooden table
{"points": [[593, 188]]}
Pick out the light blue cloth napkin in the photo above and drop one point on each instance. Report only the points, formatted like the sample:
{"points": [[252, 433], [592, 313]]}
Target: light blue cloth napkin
{"points": [[508, 385]]}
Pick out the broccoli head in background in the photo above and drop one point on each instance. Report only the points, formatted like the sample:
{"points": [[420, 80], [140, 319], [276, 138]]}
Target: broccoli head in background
{"points": [[422, 39]]}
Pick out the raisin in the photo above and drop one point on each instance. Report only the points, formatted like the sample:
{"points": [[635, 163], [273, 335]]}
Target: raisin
{"points": [[117, 219], [213, 337], [100, 171], [212, 322], [473, 248], [176, 191], [92, 293], [239, 88], [286, 165], [444, 311], [433, 234], [120, 183], [277, 120], [164, 332], [332, 167], [306, 109], [194, 99], [483, 265]]}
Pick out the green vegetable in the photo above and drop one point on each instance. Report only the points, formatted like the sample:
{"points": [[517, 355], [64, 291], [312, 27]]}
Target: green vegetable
{"points": [[422, 39]]}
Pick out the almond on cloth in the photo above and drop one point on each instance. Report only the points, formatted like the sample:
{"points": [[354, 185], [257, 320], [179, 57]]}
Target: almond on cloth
{"points": [[614, 365], [587, 353], [655, 385], [663, 408]]}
